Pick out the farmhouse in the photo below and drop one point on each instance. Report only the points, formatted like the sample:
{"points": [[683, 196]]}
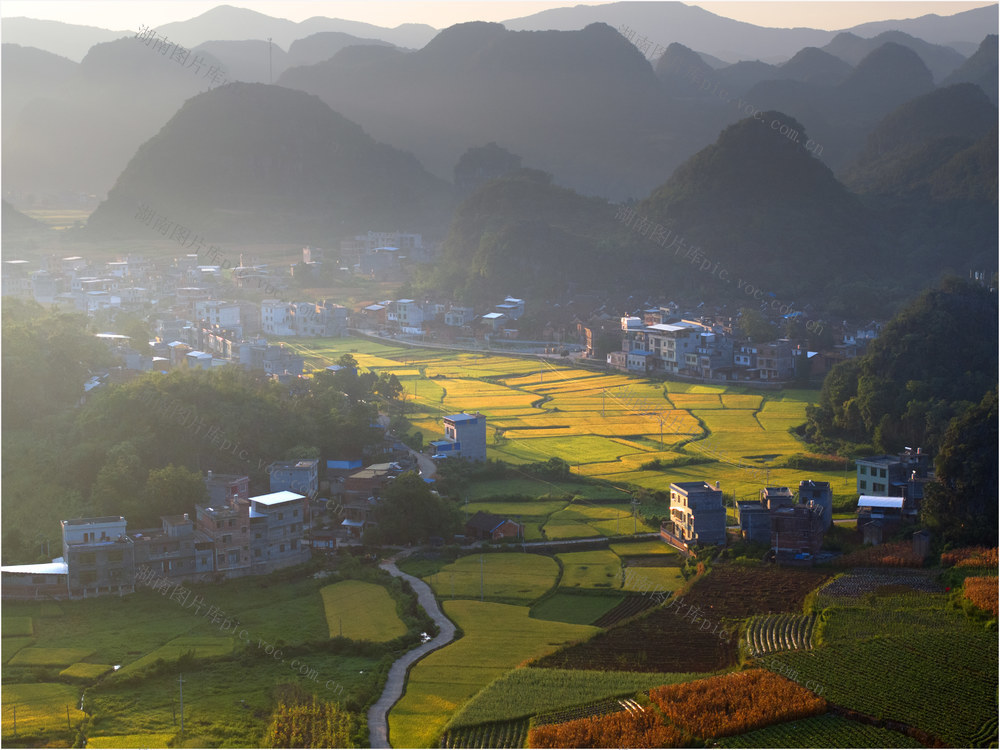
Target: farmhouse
{"points": [[697, 513], [485, 525], [296, 476], [465, 437]]}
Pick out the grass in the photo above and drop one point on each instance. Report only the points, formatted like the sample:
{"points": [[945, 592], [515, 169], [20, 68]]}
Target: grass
{"points": [[529, 692], [41, 708], [653, 579], [85, 671], [11, 646], [507, 576], [593, 569], [524, 485], [361, 611], [49, 657], [161, 739], [203, 647], [579, 520], [537, 508], [17, 626], [642, 547], [576, 609], [497, 638]]}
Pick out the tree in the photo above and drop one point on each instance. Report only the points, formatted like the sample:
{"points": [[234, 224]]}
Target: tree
{"points": [[172, 490], [755, 326], [411, 512], [961, 504]]}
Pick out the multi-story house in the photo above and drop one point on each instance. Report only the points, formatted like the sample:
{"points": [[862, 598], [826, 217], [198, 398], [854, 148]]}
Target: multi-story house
{"points": [[697, 513], [892, 476], [99, 556], [169, 552], [465, 437], [409, 313], [227, 526], [277, 526], [775, 360], [296, 476], [218, 313], [458, 316]]}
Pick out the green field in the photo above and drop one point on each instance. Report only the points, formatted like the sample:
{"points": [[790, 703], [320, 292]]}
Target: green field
{"points": [[497, 638], [642, 548], [504, 576], [11, 646], [653, 579], [202, 647], [576, 609], [131, 740], [937, 670], [17, 626], [361, 611], [600, 569], [529, 692], [49, 657], [41, 709], [85, 671], [820, 731]]}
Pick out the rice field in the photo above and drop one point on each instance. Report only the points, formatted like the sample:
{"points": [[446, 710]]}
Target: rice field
{"points": [[498, 637], [606, 425], [595, 569], [507, 576], [49, 657], [201, 646], [40, 707], [361, 611]]}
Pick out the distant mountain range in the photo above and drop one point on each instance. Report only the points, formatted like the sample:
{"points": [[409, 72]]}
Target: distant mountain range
{"points": [[661, 22]]}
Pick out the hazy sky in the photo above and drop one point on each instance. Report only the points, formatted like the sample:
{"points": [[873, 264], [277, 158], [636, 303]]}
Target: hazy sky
{"points": [[130, 14]]}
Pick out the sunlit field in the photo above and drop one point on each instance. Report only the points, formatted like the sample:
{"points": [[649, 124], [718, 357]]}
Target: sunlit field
{"points": [[606, 425]]}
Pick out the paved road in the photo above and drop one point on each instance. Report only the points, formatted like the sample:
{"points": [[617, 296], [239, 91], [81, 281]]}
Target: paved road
{"points": [[378, 725]]}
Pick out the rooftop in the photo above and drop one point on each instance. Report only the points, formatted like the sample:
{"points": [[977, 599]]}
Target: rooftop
{"points": [[691, 486], [94, 521], [871, 501], [463, 417], [57, 567], [276, 498]]}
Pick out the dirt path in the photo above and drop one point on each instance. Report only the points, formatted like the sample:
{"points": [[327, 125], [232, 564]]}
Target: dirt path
{"points": [[378, 723]]}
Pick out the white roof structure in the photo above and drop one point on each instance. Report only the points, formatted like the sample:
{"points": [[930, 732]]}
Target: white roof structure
{"points": [[57, 567], [276, 498], [872, 501]]}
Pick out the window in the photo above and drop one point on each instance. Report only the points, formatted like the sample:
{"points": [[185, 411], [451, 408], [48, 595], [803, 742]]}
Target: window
{"points": [[296, 513], [863, 484], [88, 558], [281, 516], [863, 469], [227, 538], [256, 553], [257, 535], [281, 548], [234, 556], [231, 523], [878, 487], [115, 556], [88, 576], [881, 473]]}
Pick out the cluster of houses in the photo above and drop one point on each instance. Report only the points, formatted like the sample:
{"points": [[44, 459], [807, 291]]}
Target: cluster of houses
{"points": [[890, 489], [415, 317], [232, 535], [792, 528], [663, 342]]}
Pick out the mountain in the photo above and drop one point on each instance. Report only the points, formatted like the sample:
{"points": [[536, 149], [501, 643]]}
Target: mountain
{"points": [[79, 137], [250, 61], [813, 65], [584, 106], [64, 39], [250, 161], [523, 232], [908, 147], [930, 167], [15, 223], [980, 69], [228, 23], [29, 73], [840, 117], [852, 49], [324, 45], [758, 203], [667, 22], [965, 26]]}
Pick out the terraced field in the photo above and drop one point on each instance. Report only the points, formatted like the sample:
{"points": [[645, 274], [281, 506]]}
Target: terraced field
{"points": [[768, 634], [606, 425]]}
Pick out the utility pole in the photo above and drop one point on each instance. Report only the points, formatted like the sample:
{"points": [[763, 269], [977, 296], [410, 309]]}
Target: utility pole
{"points": [[68, 726], [180, 682], [482, 577], [15, 720]]}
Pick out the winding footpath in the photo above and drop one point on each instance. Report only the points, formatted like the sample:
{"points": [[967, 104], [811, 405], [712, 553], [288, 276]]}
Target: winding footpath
{"points": [[378, 721]]}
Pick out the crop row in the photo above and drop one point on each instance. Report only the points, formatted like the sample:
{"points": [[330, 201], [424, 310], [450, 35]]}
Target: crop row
{"points": [[602, 708], [820, 731], [632, 606], [869, 581], [784, 632], [498, 734]]}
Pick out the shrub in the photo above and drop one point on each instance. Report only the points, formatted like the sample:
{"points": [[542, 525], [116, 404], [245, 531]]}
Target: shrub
{"points": [[623, 729], [982, 592]]}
